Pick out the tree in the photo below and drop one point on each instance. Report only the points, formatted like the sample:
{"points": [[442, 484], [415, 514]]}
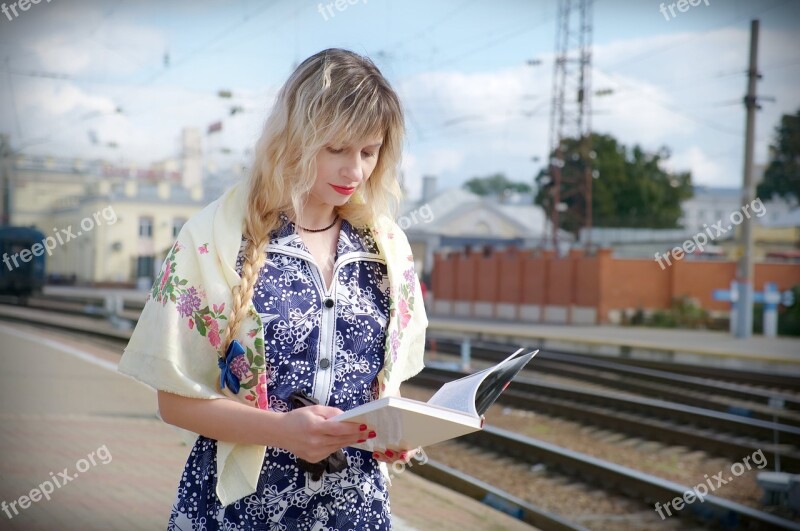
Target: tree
{"points": [[782, 177], [631, 188], [495, 185]]}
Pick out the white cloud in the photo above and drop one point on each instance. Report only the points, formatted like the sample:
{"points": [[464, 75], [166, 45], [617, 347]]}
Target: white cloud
{"points": [[419, 163], [706, 170], [446, 99], [87, 39], [50, 100]]}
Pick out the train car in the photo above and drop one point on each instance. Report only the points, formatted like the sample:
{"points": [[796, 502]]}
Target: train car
{"points": [[21, 270]]}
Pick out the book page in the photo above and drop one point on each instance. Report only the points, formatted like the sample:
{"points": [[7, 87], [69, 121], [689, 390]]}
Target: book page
{"points": [[403, 423], [494, 384], [460, 394]]}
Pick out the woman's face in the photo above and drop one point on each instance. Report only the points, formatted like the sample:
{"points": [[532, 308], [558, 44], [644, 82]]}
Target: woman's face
{"points": [[343, 169]]}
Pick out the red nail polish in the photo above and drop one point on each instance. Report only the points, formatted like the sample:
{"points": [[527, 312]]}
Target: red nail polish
{"points": [[389, 453], [376, 455], [403, 455], [362, 440], [362, 427], [372, 435]]}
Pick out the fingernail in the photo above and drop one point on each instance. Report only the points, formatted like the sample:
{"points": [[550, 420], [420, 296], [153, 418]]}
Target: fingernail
{"points": [[389, 453], [362, 440], [376, 455], [362, 427], [372, 435], [403, 455]]}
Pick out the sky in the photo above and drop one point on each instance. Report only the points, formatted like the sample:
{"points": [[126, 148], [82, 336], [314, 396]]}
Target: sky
{"points": [[135, 73]]}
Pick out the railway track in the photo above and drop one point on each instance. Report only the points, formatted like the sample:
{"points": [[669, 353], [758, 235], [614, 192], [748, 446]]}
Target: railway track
{"points": [[719, 434], [713, 511], [573, 465], [741, 399], [759, 379], [479, 490]]}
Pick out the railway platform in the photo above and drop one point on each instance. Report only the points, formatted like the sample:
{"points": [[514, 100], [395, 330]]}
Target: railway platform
{"points": [[66, 413], [694, 347]]}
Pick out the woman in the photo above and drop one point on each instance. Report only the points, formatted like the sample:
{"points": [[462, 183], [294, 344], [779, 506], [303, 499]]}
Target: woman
{"points": [[298, 282]]}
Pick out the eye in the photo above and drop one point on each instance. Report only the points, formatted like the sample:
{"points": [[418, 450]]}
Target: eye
{"points": [[335, 151], [368, 154]]}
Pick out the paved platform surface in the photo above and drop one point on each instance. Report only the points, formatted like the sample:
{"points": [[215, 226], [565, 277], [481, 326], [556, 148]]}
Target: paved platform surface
{"points": [[65, 412], [688, 346]]}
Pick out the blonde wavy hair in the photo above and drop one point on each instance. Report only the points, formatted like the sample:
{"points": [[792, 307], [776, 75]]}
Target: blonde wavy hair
{"points": [[335, 97]]}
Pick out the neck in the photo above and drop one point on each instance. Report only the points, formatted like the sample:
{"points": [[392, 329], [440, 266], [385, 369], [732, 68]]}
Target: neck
{"points": [[315, 216]]}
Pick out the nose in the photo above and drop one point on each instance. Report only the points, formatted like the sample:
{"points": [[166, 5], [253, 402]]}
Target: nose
{"points": [[352, 170]]}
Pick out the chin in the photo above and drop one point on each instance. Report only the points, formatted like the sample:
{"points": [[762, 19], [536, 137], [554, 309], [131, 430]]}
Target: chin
{"points": [[341, 200]]}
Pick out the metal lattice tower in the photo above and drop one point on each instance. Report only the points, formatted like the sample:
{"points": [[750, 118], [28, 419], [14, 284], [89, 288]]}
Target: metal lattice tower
{"points": [[570, 113]]}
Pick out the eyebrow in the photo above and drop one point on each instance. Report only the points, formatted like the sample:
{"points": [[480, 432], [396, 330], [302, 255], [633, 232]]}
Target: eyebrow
{"points": [[379, 144]]}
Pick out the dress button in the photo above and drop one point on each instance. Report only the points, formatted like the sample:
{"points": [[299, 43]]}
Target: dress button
{"points": [[329, 303], [324, 363]]}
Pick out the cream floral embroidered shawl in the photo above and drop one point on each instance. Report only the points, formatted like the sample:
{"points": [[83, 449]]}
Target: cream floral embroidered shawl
{"points": [[174, 345]]}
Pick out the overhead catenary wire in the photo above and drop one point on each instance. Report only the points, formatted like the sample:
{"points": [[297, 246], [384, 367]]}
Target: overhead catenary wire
{"points": [[695, 36]]}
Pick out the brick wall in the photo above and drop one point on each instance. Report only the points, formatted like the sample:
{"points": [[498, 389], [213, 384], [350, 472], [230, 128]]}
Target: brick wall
{"points": [[577, 288]]}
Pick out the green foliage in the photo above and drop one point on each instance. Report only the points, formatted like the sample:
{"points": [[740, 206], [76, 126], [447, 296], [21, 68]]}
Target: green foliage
{"points": [[495, 185], [684, 312], [782, 176], [631, 190]]}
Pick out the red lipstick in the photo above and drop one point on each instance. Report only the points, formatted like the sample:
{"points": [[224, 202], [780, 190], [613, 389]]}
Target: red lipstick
{"points": [[343, 191]]}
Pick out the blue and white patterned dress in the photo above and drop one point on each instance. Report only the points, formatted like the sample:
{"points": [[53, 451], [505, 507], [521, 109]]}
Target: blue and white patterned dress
{"points": [[329, 343]]}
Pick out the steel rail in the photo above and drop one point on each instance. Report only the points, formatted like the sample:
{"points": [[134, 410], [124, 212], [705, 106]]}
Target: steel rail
{"points": [[716, 433], [632, 483], [484, 492]]}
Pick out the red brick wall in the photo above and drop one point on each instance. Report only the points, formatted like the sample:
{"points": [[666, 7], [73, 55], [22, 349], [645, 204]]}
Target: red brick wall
{"points": [[534, 276], [510, 270], [488, 272], [785, 275], [601, 282], [586, 279], [699, 278], [637, 283]]}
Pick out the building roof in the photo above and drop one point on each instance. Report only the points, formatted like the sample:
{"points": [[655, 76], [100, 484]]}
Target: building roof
{"points": [[530, 220]]}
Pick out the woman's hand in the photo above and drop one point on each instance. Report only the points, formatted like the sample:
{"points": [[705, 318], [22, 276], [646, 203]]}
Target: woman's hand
{"points": [[390, 456], [308, 434]]}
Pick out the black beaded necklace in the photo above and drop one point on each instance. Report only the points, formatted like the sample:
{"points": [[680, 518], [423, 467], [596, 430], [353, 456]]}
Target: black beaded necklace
{"points": [[321, 230]]}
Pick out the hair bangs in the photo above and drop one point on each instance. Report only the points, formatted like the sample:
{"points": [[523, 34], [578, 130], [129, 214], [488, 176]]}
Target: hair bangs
{"points": [[363, 115]]}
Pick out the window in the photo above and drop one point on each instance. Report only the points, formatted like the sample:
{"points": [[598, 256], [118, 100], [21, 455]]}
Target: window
{"points": [[144, 266], [177, 224], [146, 227]]}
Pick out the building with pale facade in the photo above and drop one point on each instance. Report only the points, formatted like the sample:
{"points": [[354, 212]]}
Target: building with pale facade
{"points": [[107, 224]]}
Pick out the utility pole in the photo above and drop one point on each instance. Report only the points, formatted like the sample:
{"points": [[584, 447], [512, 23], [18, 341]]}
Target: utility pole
{"points": [[744, 272], [5, 180], [570, 113]]}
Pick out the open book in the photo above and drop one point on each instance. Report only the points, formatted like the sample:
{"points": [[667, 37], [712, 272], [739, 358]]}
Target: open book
{"points": [[456, 409]]}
